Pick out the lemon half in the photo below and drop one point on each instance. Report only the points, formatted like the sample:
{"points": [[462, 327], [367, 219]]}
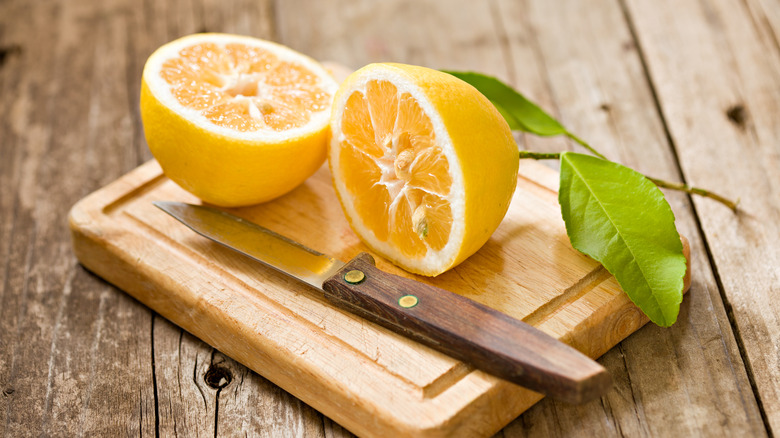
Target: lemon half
{"points": [[235, 120], [423, 164]]}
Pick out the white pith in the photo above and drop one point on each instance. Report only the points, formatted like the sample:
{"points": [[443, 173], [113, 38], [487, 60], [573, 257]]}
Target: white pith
{"points": [[162, 90], [433, 261]]}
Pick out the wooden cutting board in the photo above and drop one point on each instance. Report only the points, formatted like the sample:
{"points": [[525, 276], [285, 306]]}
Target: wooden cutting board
{"points": [[370, 380]]}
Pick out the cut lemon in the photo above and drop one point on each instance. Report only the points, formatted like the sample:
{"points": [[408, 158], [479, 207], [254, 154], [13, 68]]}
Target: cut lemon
{"points": [[235, 120], [423, 164]]}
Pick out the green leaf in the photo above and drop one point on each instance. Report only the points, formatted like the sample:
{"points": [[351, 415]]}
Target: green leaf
{"points": [[618, 217], [519, 112]]}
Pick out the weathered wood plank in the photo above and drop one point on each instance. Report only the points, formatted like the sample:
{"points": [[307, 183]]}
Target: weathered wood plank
{"points": [[90, 125], [601, 93], [720, 92], [63, 330], [255, 406], [12, 250], [186, 405]]}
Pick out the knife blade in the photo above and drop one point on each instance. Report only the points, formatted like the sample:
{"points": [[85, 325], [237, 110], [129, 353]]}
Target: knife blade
{"points": [[450, 323]]}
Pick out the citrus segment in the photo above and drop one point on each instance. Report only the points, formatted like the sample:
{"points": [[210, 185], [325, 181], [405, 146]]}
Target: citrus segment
{"points": [[414, 123], [235, 120], [382, 97], [358, 128], [423, 164]]}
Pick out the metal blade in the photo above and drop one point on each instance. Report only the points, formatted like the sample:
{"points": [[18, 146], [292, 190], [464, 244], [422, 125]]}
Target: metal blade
{"points": [[259, 243]]}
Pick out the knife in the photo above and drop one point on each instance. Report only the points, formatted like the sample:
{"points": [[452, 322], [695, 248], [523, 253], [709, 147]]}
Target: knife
{"points": [[452, 324]]}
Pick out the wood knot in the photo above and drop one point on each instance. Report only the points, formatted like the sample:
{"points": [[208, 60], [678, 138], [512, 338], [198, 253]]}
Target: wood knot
{"points": [[218, 377], [7, 51], [738, 115]]}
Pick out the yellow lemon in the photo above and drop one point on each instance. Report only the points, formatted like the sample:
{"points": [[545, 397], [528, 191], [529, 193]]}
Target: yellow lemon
{"points": [[235, 120], [423, 164]]}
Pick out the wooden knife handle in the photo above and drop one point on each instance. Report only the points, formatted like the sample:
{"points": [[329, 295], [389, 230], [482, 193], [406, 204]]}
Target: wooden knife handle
{"points": [[466, 330]]}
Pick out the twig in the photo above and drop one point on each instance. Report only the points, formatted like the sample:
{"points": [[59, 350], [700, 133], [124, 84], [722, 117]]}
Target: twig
{"points": [[658, 182], [582, 143], [696, 191], [540, 155]]}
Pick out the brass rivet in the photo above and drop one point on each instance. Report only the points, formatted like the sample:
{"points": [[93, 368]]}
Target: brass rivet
{"points": [[354, 276], [408, 301]]}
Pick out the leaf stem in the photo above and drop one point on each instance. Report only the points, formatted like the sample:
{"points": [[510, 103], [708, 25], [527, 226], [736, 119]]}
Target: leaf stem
{"points": [[540, 155], [696, 191], [584, 144], [658, 182]]}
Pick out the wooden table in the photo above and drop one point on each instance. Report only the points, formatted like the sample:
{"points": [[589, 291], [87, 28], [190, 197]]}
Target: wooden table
{"points": [[681, 90]]}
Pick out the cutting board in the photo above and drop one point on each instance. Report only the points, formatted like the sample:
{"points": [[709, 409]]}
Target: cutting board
{"points": [[370, 380]]}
